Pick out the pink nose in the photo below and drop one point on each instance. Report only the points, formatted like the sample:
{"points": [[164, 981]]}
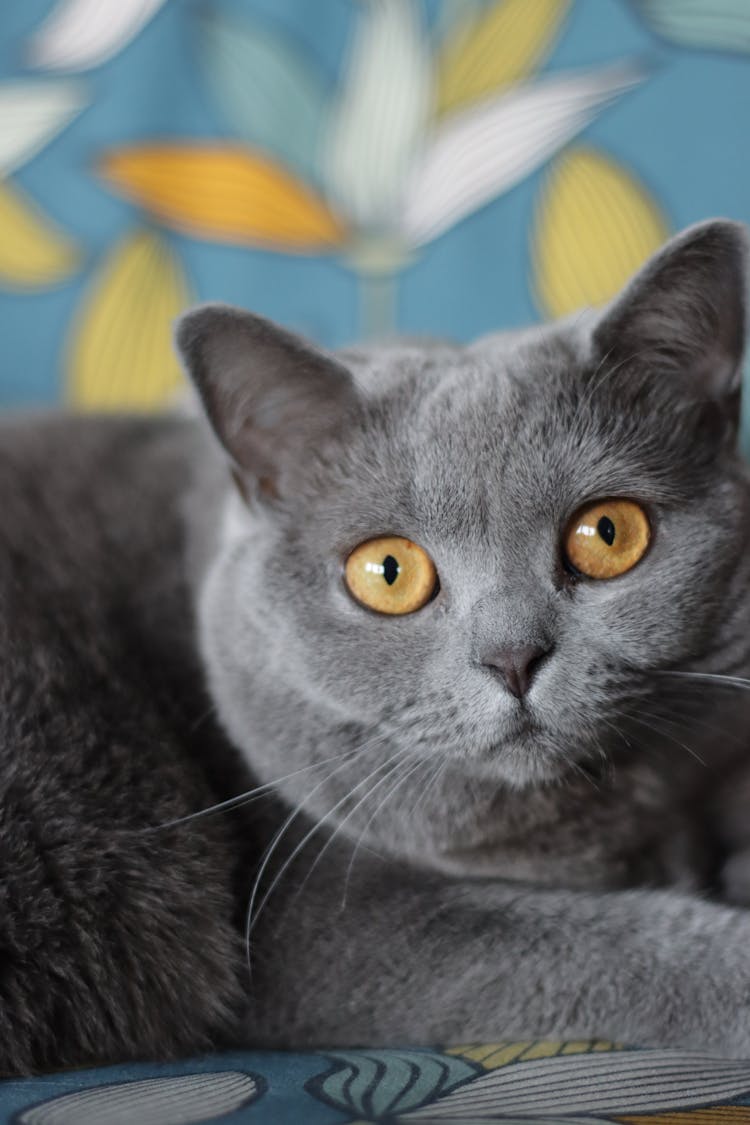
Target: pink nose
{"points": [[516, 666]]}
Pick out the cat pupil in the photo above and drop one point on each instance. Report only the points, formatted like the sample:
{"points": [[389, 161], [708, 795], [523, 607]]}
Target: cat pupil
{"points": [[390, 569], [606, 529]]}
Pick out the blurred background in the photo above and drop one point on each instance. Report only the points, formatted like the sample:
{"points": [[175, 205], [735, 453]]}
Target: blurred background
{"points": [[351, 168]]}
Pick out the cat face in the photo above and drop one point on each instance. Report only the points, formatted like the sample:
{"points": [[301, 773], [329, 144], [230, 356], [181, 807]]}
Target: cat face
{"points": [[497, 477]]}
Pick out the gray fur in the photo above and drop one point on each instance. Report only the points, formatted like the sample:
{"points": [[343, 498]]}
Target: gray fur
{"points": [[455, 863]]}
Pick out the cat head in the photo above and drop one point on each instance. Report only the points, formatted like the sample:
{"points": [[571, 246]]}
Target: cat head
{"points": [[479, 556]]}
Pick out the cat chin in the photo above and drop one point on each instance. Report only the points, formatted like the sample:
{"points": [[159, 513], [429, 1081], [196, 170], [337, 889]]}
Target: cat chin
{"points": [[526, 761]]}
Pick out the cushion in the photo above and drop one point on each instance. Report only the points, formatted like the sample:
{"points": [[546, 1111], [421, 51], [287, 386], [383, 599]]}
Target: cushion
{"points": [[580, 1083]]}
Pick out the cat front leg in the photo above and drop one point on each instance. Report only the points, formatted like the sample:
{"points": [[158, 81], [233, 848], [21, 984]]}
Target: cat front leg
{"points": [[417, 959]]}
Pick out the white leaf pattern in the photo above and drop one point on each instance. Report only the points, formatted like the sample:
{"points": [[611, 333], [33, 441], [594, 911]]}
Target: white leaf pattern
{"points": [[382, 112], [31, 114], [616, 1083], [149, 1101], [80, 34], [477, 154]]}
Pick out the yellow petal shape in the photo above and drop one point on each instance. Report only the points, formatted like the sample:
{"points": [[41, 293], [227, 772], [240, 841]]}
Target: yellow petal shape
{"points": [[492, 1056], [496, 48], [121, 355], [595, 225], [34, 253], [224, 194]]}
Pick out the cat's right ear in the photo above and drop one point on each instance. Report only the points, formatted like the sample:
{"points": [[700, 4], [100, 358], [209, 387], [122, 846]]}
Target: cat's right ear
{"points": [[270, 397], [685, 312]]}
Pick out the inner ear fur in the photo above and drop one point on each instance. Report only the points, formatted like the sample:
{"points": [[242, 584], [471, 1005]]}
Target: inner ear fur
{"points": [[270, 396], [685, 311]]}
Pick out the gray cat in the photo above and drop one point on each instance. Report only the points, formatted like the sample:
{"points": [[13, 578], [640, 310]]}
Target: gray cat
{"points": [[474, 625]]}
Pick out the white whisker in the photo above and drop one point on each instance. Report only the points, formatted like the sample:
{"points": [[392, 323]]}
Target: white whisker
{"points": [[659, 730], [441, 767], [252, 917], [716, 677], [252, 914], [400, 756], [399, 782], [242, 798]]}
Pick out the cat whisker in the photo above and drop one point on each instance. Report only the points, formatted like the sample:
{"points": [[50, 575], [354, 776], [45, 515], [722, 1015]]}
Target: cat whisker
{"points": [[401, 755], [679, 719], [212, 710], [641, 744], [662, 733], [252, 918], [577, 768], [441, 767], [271, 849], [605, 758], [242, 798], [711, 677], [380, 806], [252, 913]]}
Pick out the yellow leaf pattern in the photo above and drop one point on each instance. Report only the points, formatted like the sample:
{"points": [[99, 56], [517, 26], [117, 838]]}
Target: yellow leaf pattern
{"points": [[492, 1056], [121, 356], [226, 194], [33, 252], [496, 49], [595, 225]]}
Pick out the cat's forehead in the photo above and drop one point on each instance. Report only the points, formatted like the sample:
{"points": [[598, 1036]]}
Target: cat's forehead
{"points": [[462, 435], [467, 406], [441, 376], [516, 428]]}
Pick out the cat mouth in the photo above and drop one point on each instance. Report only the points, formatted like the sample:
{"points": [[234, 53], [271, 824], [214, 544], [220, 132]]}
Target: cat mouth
{"points": [[522, 725], [528, 756], [522, 734]]}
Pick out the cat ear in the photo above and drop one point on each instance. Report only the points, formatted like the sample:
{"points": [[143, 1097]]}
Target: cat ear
{"points": [[685, 311], [267, 393]]}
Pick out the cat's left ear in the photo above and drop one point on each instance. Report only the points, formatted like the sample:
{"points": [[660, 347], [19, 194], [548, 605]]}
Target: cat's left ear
{"points": [[271, 398], [685, 312]]}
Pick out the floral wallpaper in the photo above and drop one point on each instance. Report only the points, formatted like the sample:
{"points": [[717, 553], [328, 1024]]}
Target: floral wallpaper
{"points": [[351, 168]]}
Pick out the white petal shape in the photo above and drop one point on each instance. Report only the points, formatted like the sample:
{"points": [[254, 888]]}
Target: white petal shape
{"points": [[611, 1084], [477, 154], [80, 34], [31, 113], [149, 1101], [380, 114]]}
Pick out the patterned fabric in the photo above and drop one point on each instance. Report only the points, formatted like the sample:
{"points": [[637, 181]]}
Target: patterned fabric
{"points": [[348, 167], [536, 1083]]}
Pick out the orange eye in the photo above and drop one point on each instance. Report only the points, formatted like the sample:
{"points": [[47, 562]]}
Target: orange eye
{"points": [[391, 575], [606, 539]]}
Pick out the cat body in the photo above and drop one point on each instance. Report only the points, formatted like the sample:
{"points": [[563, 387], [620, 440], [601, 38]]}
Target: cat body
{"points": [[444, 844], [116, 942]]}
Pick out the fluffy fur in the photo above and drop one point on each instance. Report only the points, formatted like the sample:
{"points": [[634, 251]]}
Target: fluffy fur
{"points": [[439, 860]]}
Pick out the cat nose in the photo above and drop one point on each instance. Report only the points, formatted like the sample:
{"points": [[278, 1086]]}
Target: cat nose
{"points": [[516, 666]]}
